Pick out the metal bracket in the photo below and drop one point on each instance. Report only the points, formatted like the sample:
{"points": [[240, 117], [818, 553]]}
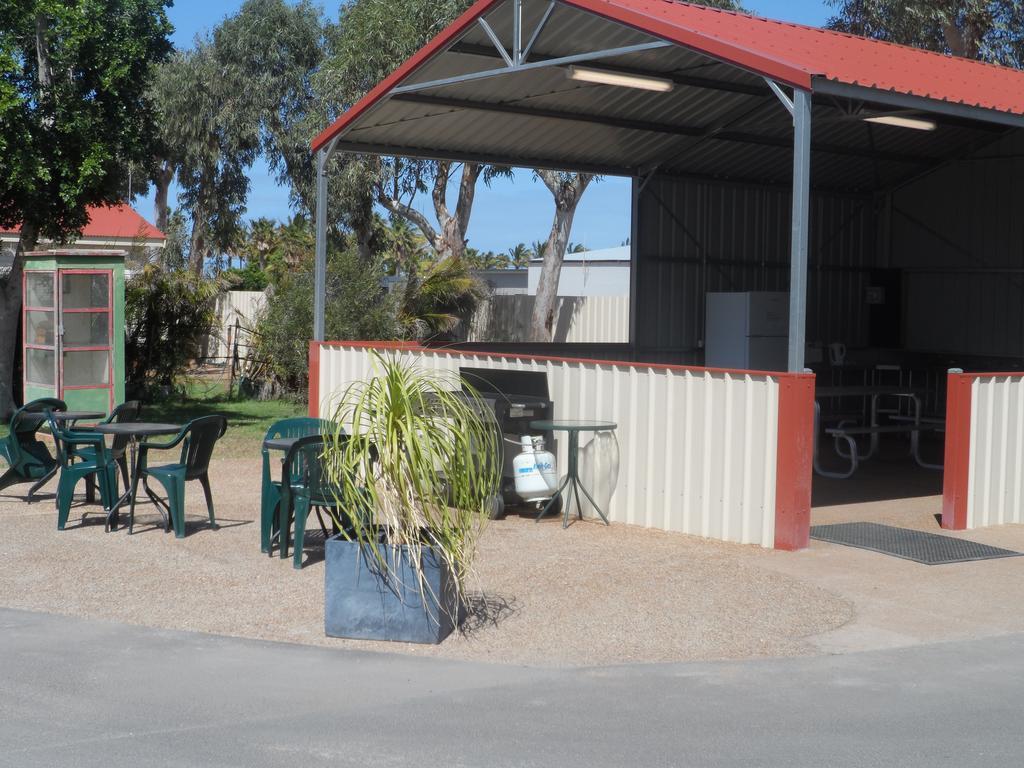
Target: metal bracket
{"points": [[330, 151], [786, 101]]}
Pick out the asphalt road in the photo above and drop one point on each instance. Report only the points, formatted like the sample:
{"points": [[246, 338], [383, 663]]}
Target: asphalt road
{"points": [[87, 693]]}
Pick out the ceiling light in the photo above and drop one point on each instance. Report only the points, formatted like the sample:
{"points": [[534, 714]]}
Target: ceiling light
{"points": [[903, 122], [605, 77]]}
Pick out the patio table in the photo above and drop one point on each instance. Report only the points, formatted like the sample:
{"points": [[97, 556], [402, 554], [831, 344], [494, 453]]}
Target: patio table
{"points": [[73, 416], [874, 393], [573, 427], [133, 431]]}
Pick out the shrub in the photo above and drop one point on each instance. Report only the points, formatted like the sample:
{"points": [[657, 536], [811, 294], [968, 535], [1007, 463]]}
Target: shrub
{"points": [[168, 315], [357, 308]]}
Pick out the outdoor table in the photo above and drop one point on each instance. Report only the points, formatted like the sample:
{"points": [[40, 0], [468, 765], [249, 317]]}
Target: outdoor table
{"points": [[73, 416], [874, 393], [133, 431], [573, 427]]}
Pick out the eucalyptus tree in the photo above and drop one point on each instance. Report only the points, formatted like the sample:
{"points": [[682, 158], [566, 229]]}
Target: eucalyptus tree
{"points": [[270, 51], [567, 189], [74, 113], [371, 39], [211, 144], [990, 30]]}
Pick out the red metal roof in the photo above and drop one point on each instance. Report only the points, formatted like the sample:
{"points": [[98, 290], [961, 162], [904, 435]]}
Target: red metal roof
{"points": [[789, 53], [117, 221]]}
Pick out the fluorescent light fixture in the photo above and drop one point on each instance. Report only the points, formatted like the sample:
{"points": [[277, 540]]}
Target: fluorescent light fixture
{"points": [[903, 122], [605, 77]]}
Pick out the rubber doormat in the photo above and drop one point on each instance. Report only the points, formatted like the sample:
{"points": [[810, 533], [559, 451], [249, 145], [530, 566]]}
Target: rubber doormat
{"points": [[919, 546]]}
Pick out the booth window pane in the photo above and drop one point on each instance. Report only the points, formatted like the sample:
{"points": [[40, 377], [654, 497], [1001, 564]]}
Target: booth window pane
{"points": [[39, 289], [86, 329], [86, 368], [39, 367], [86, 291], [39, 328]]}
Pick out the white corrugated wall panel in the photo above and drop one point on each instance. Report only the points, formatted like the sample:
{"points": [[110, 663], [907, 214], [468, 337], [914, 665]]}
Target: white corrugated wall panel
{"points": [[996, 471], [695, 451], [580, 319]]}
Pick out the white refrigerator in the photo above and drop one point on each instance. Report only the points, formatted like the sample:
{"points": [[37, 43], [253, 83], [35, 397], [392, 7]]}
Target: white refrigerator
{"points": [[748, 331]]}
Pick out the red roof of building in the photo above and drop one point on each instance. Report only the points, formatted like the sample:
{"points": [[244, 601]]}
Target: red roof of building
{"points": [[117, 221], [790, 53]]}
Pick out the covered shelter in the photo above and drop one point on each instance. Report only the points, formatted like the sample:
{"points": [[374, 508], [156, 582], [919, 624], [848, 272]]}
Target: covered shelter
{"points": [[872, 183]]}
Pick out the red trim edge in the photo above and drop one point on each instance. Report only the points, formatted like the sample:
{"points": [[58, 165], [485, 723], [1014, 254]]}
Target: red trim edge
{"points": [[314, 379], [958, 450], [794, 458]]}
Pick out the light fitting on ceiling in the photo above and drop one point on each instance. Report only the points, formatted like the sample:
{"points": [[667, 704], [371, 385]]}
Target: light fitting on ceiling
{"points": [[903, 122], [606, 77]]}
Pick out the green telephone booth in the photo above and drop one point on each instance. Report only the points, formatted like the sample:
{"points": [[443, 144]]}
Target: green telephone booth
{"points": [[73, 322]]}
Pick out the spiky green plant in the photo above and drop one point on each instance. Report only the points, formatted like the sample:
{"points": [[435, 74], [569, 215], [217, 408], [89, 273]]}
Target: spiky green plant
{"points": [[418, 471]]}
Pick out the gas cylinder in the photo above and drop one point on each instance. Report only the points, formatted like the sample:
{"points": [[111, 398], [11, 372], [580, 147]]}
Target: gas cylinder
{"points": [[545, 463], [535, 473]]}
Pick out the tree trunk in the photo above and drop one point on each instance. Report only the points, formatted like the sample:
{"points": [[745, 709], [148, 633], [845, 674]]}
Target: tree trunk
{"points": [[542, 323], [567, 192], [197, 242], [10, 306], [162, 183], [450, 240]]}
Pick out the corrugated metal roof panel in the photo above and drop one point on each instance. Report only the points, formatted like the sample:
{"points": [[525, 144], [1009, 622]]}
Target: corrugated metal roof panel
{"points": [[790, 53]]}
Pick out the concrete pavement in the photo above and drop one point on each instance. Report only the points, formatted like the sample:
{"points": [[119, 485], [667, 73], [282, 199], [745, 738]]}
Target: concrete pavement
{"points": [[77, 692]]}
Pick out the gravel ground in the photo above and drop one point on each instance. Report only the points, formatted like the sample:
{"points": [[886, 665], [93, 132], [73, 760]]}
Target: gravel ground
{"points": [[587, 595]]}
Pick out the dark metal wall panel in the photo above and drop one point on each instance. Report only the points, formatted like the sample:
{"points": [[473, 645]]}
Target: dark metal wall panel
{"points": [[959, 236], [696, 236]]}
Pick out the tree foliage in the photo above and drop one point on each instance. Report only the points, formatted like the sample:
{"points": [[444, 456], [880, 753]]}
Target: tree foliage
{"points": [[168, 315], [209, 144], [270, 52], [990, 30], [74, 113], [371, 39], [357, 308]]}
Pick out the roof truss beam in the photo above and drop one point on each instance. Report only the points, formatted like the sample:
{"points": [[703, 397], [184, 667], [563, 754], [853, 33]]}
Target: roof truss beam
{"points": [[740, 137], [691, 81], [561, 61], [420, 153]]}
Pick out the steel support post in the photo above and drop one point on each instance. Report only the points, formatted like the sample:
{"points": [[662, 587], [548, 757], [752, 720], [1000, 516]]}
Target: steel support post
{"points": [[801, 225], [320, 271]]}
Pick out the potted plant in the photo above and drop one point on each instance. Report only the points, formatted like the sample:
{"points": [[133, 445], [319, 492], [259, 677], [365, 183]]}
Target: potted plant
{"points": [[414, 482]]}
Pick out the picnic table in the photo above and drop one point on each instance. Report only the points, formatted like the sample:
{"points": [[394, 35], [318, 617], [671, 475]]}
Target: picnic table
{"points": [[846, 432]]}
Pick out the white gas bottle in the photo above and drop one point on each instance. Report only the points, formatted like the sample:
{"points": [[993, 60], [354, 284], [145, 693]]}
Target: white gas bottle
{"points": [[545, 463], [533, 469]]}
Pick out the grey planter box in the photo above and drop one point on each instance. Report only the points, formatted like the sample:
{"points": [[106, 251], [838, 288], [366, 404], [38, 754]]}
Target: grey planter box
{"points": [[359, 604]]}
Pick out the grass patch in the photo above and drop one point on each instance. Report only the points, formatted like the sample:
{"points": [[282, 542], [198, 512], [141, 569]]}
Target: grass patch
{"points": [[248, 420]]}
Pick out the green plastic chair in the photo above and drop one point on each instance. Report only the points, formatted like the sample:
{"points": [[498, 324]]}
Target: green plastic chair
{"points": [[305, 488], [126, 413], [270, 497], [74, 467], [29, 460], [197, 440]]}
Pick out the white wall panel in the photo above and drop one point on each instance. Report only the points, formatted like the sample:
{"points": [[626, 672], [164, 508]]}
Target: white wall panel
{"points": [[581, 319], [695, 451], [996, 469], [234, 309]]}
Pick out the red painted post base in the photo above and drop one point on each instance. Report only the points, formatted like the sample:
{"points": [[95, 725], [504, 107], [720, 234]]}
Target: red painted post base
{"points": [[794, 462]]}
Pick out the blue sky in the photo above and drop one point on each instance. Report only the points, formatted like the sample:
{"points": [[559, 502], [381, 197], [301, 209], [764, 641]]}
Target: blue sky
{"points": [[602, 219]]}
